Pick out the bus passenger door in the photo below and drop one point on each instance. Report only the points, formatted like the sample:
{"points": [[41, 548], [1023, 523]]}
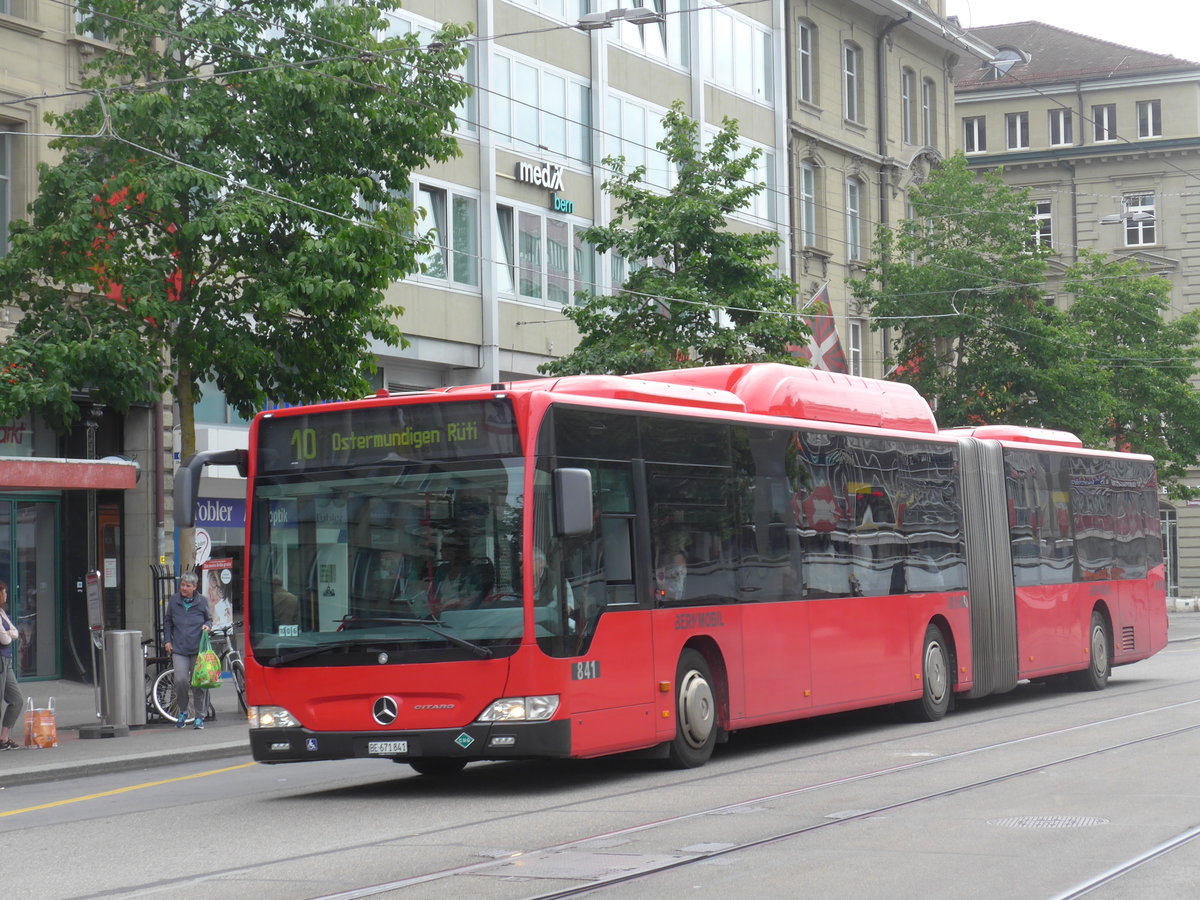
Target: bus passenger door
{"points": [[612, 677]]}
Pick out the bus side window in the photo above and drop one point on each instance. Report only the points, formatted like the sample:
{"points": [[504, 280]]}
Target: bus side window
{"points": [[617, 538]]}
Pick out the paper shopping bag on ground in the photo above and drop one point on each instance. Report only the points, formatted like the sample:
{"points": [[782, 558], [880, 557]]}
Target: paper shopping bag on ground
{"points": [[41, 731]]}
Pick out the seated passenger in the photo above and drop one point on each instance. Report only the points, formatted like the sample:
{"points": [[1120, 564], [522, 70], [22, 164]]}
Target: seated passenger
{"points": [[550, 591]]}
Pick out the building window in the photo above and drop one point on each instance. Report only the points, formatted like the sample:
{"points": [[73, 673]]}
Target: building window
{"points": [[1140, 219], [974, 135], [451, 221], [740, 56], [762, 205], [634, 130], [5, 189], [1017, 128], [908, 85], [1042, 230], [1060, 127], [806, 43], [929, 112], [536, 109], [855, 348], [554, 9], [402, 24], [541, 257], [808, 205], [665, 41], [81, 15], [214, 409], [852, 82], [1104, 122], [1149, 118], [853, 218]]}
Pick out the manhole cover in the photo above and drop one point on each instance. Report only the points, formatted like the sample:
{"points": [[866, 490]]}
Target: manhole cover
{"points": [[1048, 821]]}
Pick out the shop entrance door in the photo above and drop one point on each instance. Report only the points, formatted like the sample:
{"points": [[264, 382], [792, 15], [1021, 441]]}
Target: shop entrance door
{"points": [[29, 563]]}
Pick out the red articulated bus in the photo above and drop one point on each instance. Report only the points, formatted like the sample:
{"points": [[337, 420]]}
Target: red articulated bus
{"points": [[591, 565]]}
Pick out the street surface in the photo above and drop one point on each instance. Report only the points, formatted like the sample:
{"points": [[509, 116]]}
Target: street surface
{"points": [[1041, 793]]}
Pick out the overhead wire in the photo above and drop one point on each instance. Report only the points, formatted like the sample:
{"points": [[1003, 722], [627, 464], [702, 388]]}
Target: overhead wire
{"points": [[239, 183]]}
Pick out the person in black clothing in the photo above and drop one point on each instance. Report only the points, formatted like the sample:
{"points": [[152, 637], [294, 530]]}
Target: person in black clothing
{"points": [[186, 618]]}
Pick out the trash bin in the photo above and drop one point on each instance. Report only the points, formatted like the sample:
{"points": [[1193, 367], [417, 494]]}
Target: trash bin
{"points": [[124, 679]]}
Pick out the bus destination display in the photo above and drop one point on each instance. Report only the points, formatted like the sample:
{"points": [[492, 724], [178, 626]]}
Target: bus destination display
{"points": [[383, 434]]}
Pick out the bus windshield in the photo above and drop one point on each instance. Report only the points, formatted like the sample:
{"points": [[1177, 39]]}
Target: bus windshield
{"points": [[404, 563]]}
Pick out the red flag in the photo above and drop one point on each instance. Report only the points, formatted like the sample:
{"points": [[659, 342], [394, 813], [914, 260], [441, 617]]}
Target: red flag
{"points": [[824, 348]]}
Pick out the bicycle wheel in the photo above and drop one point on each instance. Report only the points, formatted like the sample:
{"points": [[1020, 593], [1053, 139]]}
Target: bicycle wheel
{"points": [[164, 697], [238, 670]]}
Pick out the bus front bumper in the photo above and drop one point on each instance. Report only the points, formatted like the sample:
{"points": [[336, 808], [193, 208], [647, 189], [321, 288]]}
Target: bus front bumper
{"points": [[522, 740]]}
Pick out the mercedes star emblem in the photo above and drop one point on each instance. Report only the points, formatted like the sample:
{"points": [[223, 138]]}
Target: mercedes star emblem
{"points": [[385, 710]]}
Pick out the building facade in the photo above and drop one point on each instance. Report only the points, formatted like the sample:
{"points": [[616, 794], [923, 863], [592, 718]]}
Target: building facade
{"points": [[871, 110], [848, 102], [1106, 138]]}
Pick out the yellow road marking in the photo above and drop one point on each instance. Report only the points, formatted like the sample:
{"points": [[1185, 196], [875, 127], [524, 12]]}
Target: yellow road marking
{"points": [[134, 787]]}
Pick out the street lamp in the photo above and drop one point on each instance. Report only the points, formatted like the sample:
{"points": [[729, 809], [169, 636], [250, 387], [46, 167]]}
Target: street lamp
{"points": [[637, 15], [1117, 218]]}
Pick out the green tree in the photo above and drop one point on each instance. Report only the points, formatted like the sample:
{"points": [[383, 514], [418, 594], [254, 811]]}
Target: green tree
{"points": [[698, 293], [962, 285], [1137, 364], [229, 208]]}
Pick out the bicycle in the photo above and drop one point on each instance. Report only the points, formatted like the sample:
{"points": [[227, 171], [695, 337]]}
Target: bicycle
{"points": [[160, 689]]}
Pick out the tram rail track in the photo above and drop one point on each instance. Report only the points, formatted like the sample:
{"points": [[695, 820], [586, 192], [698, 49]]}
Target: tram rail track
{"points": [[676, 863]]}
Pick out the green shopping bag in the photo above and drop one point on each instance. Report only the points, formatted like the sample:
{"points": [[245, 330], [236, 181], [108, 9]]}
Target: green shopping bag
{"points": [[207, 671]]}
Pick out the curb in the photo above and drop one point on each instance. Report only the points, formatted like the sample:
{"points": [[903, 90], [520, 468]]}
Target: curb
{"points": [[63, 771]]}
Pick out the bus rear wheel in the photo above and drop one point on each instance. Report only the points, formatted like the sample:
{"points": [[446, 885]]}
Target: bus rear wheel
{"points": [[1095, 676], [695, 713], [936, 684], [440, 766]]}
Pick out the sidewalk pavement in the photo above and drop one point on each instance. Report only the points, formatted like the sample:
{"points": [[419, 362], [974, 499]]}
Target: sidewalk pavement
{"points": [[162, 744], [144, 746]]}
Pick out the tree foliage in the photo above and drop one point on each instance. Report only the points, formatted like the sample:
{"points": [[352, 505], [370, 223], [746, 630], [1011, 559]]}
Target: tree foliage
{"points": [[230, 205], [1138, 364], [698, 293], [963, 286]]}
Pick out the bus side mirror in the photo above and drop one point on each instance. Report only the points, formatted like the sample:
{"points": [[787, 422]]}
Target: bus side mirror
{"points": [[572, 502], [187, 479]]}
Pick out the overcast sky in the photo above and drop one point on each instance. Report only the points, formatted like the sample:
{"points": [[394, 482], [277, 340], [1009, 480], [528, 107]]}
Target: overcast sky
{"points": [[1160, 26]]}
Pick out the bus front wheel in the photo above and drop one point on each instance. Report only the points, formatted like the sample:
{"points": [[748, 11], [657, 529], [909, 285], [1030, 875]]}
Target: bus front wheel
{"points": [[936, 680], [695, 713], [1095, 676]]}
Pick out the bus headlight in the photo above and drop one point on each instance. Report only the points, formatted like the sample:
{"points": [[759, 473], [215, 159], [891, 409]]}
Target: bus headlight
{"points": [[521, 709], [271, 717]]}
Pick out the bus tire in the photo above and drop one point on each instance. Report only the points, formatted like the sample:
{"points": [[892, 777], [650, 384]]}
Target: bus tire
{"points": [[437, 766], [1095, 676], [937, 686], [696, 724]]}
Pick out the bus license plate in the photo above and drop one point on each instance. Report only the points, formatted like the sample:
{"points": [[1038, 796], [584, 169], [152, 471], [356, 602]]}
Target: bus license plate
{"points": [[386, 748]]}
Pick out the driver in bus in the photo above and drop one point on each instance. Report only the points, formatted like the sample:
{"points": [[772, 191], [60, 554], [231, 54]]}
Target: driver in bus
{"points": [[460, 582]]}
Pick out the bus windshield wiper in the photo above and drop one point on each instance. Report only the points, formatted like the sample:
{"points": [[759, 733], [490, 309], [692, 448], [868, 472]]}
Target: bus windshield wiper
{"points": [[282, 659], [427, 624]]}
